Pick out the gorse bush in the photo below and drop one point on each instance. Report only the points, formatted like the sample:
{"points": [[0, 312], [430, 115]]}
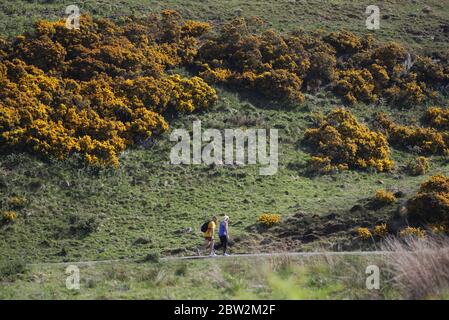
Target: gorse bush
{"points": [[381, 230], [341, 142], [418, 166], [421, 140], [384, 70], [384, 197], [100, 89], [17, 202], [439, 228], [268, 219], [412, 232], [109, 85], [345, 42], [8, 216], [431, 203], [245, 54], [355, 85], [364, 233], [242, 56], [437, 117]]}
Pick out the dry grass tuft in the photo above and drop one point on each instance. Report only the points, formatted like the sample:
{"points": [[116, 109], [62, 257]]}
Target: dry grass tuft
{"points": [[420, 265]]}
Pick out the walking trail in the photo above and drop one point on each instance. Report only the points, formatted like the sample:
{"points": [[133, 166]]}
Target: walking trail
{"points": [[246, 255]]}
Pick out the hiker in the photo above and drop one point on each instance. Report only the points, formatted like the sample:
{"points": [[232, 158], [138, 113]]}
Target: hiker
{"points": [[224, 234], [209, 236]]}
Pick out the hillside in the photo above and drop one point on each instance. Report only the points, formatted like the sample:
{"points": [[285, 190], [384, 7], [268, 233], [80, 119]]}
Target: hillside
{"points": [[423, 25], [71, 211]]}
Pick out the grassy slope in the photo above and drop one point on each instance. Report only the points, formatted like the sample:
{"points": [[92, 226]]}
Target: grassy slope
{"points": [[147, 198]]}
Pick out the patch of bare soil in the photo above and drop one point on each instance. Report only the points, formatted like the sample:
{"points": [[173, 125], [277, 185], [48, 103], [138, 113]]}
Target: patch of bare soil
{"points": [[304, 231]]}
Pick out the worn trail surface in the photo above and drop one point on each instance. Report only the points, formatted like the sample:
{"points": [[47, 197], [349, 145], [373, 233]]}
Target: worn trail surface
{"points": [[247, 255]]}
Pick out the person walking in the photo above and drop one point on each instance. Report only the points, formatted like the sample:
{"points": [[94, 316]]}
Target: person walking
{"points": [[209, 235], [223, 233]]}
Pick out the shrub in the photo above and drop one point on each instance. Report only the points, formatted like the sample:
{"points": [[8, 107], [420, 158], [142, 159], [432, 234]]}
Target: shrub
{"points": [[16, 202], [391, 55], [11, 268], [418, 166], [355, 85], [344, 41], [407, 94], [383, 71], [364, 233], [103, 88], [439, 228], [381, 230], [384, 197], [412, 232], [269, 220], [152, 257], [244, 55], [100, 89], [322, 67], [9, 216], [82, 225], [419, 139], [431, 203], [341, 142], [429, 71], [265, 62], [437, 117], [323, 165]]}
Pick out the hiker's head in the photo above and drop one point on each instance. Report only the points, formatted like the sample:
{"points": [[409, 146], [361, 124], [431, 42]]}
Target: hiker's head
{"points": [[226, 218], [214, 218]]}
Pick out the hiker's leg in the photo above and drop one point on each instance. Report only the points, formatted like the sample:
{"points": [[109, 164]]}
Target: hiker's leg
{"points": [[212, 246], [225, 244], [207, 244]]}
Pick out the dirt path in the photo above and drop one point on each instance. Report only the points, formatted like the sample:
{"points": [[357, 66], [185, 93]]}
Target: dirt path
{"points": [[247, 255]]}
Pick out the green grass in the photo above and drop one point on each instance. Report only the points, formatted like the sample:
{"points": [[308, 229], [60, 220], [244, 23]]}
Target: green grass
{"points": [[78, 213], [244, 278], [151, 199]]}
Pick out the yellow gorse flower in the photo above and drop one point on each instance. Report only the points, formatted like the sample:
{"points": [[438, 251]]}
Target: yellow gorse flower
{"points": [[439, 228], [9, 216], [268, 219], [412, 231], [68, 91], [341, 142], [381, 230], [383, 196], [364, 233]]}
